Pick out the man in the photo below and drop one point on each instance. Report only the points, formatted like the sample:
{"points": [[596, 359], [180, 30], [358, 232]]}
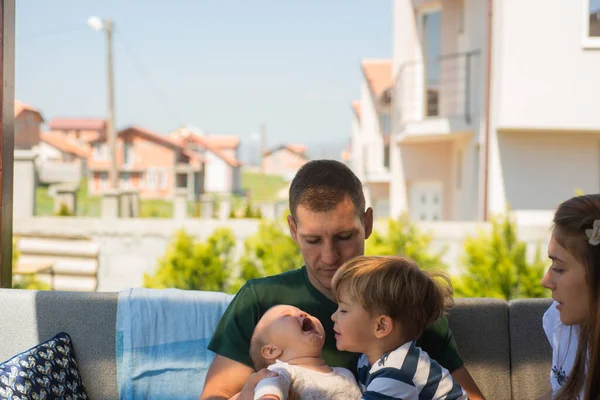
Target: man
{"points": [[329, 223]]}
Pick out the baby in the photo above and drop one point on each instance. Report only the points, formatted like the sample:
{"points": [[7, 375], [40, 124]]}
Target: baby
{"points": [[289, 341]]}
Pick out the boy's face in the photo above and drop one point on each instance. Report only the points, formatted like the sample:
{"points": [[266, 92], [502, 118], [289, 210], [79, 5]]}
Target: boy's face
{"points": [[293, 331], [354, 327]]}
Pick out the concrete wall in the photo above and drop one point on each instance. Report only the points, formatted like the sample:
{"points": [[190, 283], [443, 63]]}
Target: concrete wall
{"points": [[24, 183], [547, 79], [129, 248], [56, 172]]}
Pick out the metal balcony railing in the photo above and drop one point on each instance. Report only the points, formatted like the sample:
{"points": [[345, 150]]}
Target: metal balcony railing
{"points": [[449, 87]]}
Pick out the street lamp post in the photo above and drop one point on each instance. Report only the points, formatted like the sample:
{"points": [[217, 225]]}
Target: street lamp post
{"points": [[98, 25]]}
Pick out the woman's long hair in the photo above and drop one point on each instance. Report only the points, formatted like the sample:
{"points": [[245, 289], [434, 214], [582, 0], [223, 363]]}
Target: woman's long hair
{"points": [[571, 220]]}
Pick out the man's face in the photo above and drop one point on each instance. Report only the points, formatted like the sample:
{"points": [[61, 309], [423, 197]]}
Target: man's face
{"points": [[329, 239]]}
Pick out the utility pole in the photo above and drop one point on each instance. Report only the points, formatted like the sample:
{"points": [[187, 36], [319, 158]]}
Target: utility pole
{"points": [[110, 118]]}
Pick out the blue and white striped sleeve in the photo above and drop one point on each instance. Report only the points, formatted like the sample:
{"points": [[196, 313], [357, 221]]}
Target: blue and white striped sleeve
{"points": [[390, 383]]}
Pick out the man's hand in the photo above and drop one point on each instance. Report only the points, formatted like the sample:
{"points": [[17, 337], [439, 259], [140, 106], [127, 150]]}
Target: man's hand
{"points": [[225, 378], [247, 392]]}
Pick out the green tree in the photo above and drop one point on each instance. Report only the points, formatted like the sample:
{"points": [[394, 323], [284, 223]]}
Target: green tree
{"points": [[64, 211], [496, 265], [269, 252], [195, 265], [405, 239]]}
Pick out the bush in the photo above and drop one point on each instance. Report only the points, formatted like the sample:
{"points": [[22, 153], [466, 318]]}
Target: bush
{"points": [[269, 252], [496, 265], [195, 265], [64, 211], [403, 238]]}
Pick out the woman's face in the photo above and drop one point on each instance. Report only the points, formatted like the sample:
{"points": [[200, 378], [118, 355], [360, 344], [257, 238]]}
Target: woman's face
{"points": [[566, 278]]}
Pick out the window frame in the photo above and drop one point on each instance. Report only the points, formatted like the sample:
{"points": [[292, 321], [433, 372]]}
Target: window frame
{"points": [[588, 42]]}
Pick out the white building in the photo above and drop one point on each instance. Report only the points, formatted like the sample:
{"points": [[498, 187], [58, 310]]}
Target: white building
{"points": [[494, 107]]}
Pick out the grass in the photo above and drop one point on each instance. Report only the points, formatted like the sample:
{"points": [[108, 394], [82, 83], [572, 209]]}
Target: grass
{"points": [[87, 206], [262, 188]]}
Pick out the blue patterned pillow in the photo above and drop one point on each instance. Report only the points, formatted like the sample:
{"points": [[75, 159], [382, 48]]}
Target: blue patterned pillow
{"points": [[47, 371]]}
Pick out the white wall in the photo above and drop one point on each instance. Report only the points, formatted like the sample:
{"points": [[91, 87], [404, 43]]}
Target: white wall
{"points": [[357, 146], [540, 171], [372, 142], [218, 174], [547, 79]]}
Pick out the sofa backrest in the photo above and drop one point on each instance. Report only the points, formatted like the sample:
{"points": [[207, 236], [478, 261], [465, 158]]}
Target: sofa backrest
{"points": [[530, 352], [28, 318], [506, 360], [481, 331]]}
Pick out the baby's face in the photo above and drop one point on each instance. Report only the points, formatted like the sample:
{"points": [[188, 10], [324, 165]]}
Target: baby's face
{"points": [[291, 328]]}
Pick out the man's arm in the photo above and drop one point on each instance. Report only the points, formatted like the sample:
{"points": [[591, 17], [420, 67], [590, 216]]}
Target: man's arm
{"points": [[225, 379], [464, 379]]}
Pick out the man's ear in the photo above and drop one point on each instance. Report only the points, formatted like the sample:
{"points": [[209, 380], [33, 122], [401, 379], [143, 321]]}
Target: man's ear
{"points": [[368, 222], [384, 325], [293, 228], [270, 352]]}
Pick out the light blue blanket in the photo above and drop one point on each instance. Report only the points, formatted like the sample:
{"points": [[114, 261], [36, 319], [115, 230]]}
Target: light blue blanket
{"points": [[162, 337]]}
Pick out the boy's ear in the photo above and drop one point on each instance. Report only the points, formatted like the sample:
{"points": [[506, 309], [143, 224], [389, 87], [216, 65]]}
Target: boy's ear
{"points": [[270, 352], [383, 326]]}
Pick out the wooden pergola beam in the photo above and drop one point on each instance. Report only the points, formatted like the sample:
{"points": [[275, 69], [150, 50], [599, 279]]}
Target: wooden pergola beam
{"points": [[7, 142]]}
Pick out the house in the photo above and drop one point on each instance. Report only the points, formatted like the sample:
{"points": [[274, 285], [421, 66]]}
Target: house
{"points": [[153, 164], [370, 134], [61, 159], [83, 130], [487, 114], [284, 160], [27, 126], [222, 168]]}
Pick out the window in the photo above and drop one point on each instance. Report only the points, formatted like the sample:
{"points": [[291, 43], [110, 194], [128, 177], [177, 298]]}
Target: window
{"points": [[103, 180], [431, 35], [125, 180], [163, 178], [591, 24], [99, 152], [151, 178], [385, 123], [459, 169], [461, 16], [127, 154]]}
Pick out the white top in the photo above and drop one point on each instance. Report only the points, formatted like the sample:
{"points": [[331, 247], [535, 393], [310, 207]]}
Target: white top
{"points": [[407, 373], [563, 340], [309, 384]]}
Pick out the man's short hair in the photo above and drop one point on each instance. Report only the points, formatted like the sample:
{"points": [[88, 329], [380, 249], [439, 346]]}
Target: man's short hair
{"points": [[321, 185], [396, 287]]}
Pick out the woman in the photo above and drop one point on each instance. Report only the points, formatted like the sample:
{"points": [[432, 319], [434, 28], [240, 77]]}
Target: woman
{"points": [[572, 323]]}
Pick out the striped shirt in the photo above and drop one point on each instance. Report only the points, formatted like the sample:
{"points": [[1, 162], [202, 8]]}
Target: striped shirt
{"points": [[407, 373]]}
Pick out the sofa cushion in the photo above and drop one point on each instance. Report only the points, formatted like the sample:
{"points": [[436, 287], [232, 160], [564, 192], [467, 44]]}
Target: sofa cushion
{"points": [[45, 371], [29, 317], [480, 327], [530, 352]]}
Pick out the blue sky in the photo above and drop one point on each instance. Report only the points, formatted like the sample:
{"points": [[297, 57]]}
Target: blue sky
{"points": [[221, 65]]}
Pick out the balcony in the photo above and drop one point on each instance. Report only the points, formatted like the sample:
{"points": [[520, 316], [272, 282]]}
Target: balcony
{"points": [[437, 98]]}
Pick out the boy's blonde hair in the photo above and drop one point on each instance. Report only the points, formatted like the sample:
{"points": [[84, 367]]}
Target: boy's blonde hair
{"points": [[396, 287]]}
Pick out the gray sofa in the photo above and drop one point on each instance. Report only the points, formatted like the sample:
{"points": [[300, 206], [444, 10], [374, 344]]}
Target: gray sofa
{"points": [[503, 344]]}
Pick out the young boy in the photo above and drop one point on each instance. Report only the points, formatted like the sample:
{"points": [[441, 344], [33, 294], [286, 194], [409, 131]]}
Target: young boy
{"points": [[384, 304], [289, 341]]}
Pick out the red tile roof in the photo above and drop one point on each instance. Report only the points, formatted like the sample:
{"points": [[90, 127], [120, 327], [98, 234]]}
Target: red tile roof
{"points": [[62, 143], [20, 107], [224, 141], [154, 137], [299, 149], [356, 108], [232, 161], [378, 74], [82, 124]]}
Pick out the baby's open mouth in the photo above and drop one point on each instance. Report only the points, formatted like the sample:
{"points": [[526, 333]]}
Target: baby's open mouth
{"points": [[308, 326]]}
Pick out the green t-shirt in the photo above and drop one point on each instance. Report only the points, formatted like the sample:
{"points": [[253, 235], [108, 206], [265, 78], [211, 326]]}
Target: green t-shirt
{"points": [[232, 336]]}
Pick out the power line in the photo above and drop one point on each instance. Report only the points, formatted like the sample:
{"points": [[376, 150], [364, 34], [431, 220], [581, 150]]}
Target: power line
{"points": [[141, 70]]}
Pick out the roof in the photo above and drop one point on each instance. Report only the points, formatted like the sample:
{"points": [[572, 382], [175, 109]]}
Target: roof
{"points": [[20, 107], [61, 142], [224, 141], [151, 136], [82, 124], [191, 134], [356, 108], [378, 74], [298, 149]]}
